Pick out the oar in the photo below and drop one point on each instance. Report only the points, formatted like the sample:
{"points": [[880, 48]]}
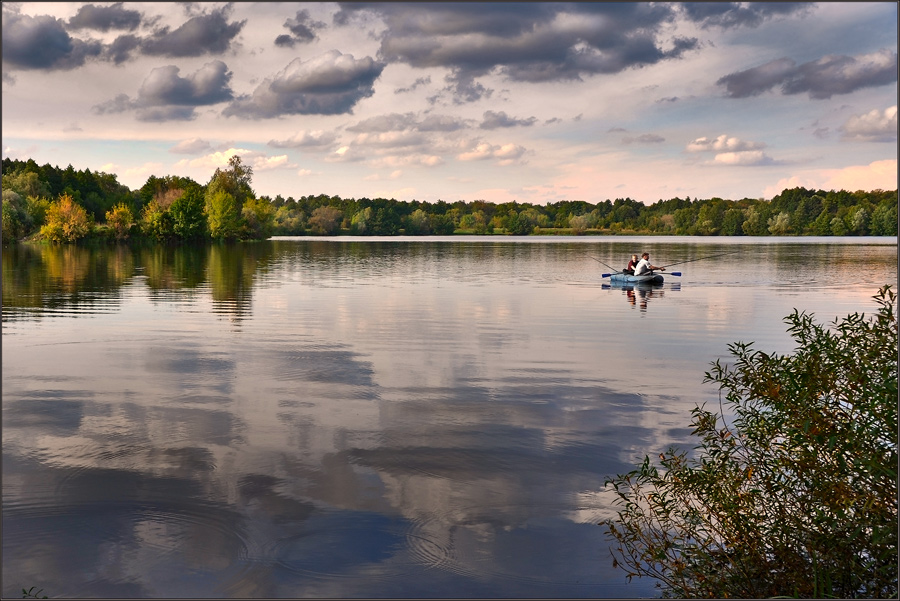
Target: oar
{"points": [[731, 252]]}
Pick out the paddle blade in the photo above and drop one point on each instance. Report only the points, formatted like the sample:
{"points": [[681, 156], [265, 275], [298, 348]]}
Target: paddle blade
{"points": [[605, 275], [675, 273]]}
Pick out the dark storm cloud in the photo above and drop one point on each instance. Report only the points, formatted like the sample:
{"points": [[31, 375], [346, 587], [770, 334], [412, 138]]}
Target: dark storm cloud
{"points": [[202, 34], [302, 27], [164, 86], [757, 80], [166, 96], [532, 42], [821, 79], [330, 84], [104, 18], [494, 120], [42, 42], [741, 14], [121, 48]]}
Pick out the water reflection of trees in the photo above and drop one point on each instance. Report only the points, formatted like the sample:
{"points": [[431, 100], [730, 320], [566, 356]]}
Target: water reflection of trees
{"points": [[61, 278]]}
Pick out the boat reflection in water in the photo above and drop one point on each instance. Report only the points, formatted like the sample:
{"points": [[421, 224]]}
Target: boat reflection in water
{"points": [[639, 295]]}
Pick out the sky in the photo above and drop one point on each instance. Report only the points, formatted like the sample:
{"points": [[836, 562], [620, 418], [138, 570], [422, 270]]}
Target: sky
{"points": [[527, 102]]}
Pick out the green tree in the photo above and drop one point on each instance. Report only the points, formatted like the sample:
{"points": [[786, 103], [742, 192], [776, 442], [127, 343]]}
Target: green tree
{"points": [[257, 218], [37, 208], [26, 183], [235, 181], [120, 220], [189, 220], [793, 490], [884, 220], [67, 221], [860, 221], [222, 215], [838, 227], [780, 224], [732, 221], [156, 222], [359, 224], [418, 223], [16, 219], [325, 221]]}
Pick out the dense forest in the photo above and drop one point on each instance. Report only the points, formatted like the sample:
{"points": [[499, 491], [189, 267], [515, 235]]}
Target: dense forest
{"points": [[65, 205]]}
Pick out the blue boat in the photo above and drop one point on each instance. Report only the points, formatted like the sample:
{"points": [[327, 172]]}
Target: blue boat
{"points": [[626, 278]]}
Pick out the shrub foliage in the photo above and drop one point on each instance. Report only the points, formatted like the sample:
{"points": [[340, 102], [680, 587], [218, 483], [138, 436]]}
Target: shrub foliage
{"points": [[793, 491]]}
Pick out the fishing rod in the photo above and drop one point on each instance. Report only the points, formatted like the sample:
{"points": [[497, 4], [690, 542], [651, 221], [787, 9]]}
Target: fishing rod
{"points": [[602, 263], [731, 252]]}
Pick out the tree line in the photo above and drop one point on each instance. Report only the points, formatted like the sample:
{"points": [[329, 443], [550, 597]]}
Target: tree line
{"points": [[65, 205]]}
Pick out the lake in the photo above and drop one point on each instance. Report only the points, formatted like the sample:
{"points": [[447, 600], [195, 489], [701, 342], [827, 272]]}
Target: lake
{"points": [[367, 417]]}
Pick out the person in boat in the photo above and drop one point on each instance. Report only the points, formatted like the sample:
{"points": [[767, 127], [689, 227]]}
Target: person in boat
{"points": [[644, 266], [631, 265]]}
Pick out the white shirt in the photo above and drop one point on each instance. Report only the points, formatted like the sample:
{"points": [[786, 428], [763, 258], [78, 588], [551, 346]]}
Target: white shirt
{"points": [[642, 267]]}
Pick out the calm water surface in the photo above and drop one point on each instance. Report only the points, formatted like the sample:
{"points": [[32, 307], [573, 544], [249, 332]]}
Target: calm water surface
{"points": [[366, 417]]}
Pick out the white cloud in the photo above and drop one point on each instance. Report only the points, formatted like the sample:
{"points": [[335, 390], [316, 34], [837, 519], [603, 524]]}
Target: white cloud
{"points": [[876, 175], [483, 151], [219, 160], [306, 139], [145, 170], [723, 143], [874, 126], [263, 163], [191, 146], [743, 158]]}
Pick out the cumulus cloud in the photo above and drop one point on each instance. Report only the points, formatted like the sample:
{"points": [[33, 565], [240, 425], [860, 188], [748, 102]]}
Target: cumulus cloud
{"points": [[202, 34], [732, 151], [166, 96], [191, 146], [390, 139], [302, 27], [821, 79], [104, 18], [306, 139], [259, 161], [209, 85], [506, 153], [41, 42], [494, 120], [532, 42], [877, 175], [329, 84], [874, 126], [723, 143]]}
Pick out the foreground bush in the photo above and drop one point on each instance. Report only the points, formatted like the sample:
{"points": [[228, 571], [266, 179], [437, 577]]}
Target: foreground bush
{"points": [[67, 221], [792, 492]]}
